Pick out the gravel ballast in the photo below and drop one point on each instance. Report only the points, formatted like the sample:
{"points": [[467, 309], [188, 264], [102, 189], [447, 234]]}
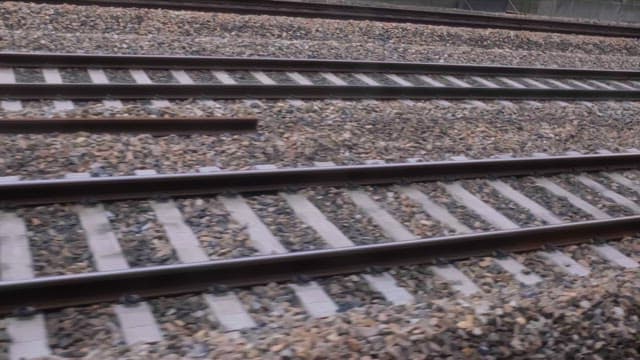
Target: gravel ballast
{"points": [[88, 19], [592, 317], [343, 132]]}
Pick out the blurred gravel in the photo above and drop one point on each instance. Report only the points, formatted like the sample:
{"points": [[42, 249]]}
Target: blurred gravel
{"points": [[595, 317], [163, 23], [283, 223], [340, 131], [217, 233], [84, 332], [338, 207], [142, 238], [57, 240]]}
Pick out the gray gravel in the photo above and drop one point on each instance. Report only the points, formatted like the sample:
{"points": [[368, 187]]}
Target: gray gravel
{"points": [[184, 320], [134, 44], [349, 292], [142, 238], [21, 17], [338, 207], [57, 241], [28, 75], [161, 76], [515, 213], [564, 317], [557, 205], [84, 332], [403, 209], [119, 76], [75, 75], [283, 223], [218, 234], [437, 193], [592, 197], [620, 189], [272, 306], [631, 247], [343, 132]]}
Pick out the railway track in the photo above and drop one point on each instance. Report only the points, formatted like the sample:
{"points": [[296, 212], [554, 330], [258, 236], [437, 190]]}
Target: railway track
{"points": [[42, 76], [372, 13], [603, 187]]}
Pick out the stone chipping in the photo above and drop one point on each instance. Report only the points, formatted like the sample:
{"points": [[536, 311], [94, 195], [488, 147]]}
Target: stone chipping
{"points": [[592, 317]]}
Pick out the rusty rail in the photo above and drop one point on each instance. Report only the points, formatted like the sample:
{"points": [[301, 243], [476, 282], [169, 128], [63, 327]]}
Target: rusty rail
{"points": [[349, 92], [153, 126], [83, 289], [38, 192], [64, 60]]}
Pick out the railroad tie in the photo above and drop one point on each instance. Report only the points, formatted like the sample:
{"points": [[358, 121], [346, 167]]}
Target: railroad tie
{"points": [[28, 335], [312, 296], [141, 77], [435, 83], [226, 308], [136, 320], [225, 78], [489, 84], [458, 82], [53, 76], [98, 76], [308, 213], [622, 85], [7, 76], [540, 85], [183, 78], [398, 232], [402, 82], [517, 85], [517, 270], [493, 217], [301, 80], [608, 252]]}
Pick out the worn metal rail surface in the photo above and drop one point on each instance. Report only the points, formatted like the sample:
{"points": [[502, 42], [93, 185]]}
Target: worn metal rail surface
{"points": [[38, 192], [153, 126], [71, 290], [61, 60], [373, 13]]}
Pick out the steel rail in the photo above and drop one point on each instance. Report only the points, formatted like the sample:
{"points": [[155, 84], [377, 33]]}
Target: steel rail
{"points": [[59, 60], [39, 192], [348, 92], [153, 126], [373, 13], [83, 289]]}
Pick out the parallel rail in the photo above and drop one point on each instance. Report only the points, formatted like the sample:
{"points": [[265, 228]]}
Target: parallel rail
{"points": [[39, 192], [59, 60], [275, 92], [372, 13], [83, 289], [153, 126]]}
